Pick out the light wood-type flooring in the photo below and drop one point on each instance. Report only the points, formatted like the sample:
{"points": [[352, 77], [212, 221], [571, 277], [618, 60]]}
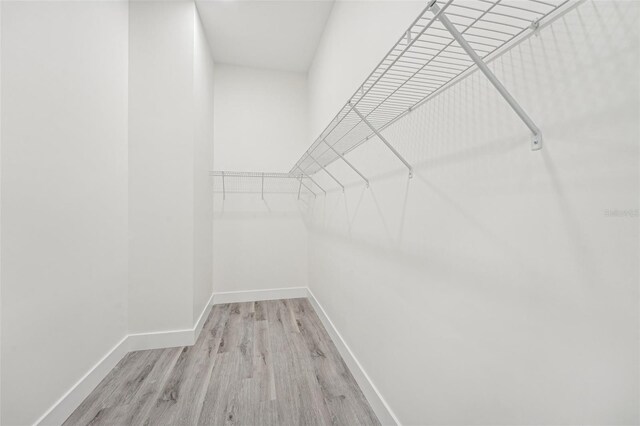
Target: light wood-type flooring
{"points": [[257, 363]]}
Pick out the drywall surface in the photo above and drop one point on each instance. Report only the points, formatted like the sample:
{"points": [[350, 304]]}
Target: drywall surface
{"points": [[0, 211], [161, 165], [357, 36], [260, 125], [261, 118], [64, 196], [499, 285], [259, 244], [203, 84]]}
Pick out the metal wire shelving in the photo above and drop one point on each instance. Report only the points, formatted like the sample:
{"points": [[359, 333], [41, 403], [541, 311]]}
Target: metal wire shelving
{"points": [[449, 39], [446, 41], [226, 182]]}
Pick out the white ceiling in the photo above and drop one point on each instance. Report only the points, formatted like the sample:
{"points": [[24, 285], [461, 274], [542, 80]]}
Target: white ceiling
{"points": [[273, 34]]}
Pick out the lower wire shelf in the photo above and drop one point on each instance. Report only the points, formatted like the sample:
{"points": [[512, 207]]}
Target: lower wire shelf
{"points": [[229, 182]]}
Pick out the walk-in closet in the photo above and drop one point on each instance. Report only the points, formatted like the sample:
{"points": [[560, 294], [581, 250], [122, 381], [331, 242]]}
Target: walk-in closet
{"points": [[319, 212]]}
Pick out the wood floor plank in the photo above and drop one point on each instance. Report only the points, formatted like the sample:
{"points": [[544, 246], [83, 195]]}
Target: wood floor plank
{"points": [[256, 363], [134, 408], [298, 392], [220, 405], [180, 400], [111, 390], [245, 345], [343, 397], [263, 362]]}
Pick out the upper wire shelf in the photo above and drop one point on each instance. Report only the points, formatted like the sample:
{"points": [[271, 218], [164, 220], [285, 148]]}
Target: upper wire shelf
{"points": [[441, 46], [443, 43]]}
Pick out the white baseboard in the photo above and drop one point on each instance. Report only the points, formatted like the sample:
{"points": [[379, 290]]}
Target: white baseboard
{"points": [[170, 338], [258, 295], [377, 402], [202, 318], [160, 339], [62, 409]]}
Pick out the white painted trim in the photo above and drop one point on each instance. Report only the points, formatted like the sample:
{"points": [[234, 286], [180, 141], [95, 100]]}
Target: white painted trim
{"points": [[258, 295], [377, 402], [169, 338], [197, 328], [160, 339], [63, 407]]}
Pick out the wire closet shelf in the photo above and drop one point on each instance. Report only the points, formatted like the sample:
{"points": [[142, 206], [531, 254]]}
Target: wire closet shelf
{"points": [[263, 183], [438, 47], [442, 45]]}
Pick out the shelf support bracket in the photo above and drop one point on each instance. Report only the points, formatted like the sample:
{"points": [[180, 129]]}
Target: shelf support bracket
{"points": [[346, 161], [377, 133], [536, 139], [308, 189], [299, 187], [314, 182], [327, 172], [224, 192]]}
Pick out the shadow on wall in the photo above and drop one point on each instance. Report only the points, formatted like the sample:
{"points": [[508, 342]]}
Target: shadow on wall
{"points": [[254, 206], [500, 265], [259, 244], [577, 78], [253, 196]]}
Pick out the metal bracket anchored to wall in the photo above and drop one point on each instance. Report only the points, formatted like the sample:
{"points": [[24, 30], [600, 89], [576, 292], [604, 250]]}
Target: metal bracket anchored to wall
{"points": [[347, 162], [224, 192], [327, 172], [382, 138], [301, 185], [446, 42], [311, 179], [536, 138]]}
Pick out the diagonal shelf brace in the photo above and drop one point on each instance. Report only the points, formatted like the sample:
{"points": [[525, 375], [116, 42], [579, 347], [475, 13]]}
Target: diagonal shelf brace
{"points": [[536, 139], [327, 172], [311, 179], [377, 133], [224, 192], [346, 161], [308, 189]]}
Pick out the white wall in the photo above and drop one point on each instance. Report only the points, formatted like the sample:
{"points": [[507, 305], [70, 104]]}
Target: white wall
{"points": [[352, 45], [493, 287], [64, 196], [203, 95], [107, 141], [261, 125], [170, 156], [261, 118], [161, 166], [0, 211]]}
